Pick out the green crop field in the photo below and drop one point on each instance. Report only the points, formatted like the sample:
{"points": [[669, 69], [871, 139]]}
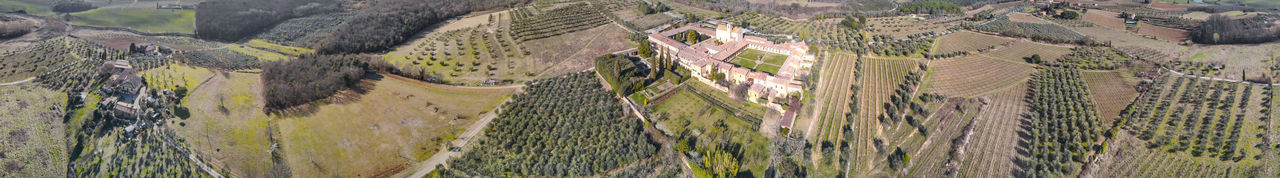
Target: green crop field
{"points": [[146, 20]]}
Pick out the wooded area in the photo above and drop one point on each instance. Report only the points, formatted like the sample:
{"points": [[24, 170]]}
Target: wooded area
{"points": [[1220, 29], [309, 78]]}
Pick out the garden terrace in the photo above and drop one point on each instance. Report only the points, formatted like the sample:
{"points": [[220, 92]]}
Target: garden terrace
{"points": [[520, 140], [1065, 130], [685, 112], [528, 24]]}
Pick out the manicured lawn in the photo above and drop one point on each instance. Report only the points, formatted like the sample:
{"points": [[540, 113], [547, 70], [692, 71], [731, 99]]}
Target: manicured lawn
{"points": [[767, 68], [747, 63], [760, 61], [147, 20]]}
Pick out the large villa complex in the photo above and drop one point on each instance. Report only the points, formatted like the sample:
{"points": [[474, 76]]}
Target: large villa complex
{"points": [[770, 70]]}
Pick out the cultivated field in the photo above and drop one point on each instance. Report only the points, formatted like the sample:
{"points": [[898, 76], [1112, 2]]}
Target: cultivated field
{"points": [[1163, 33], [975, 76], [838, 75], [1112, 90], [1106, 19], [32, 132], [993, 148], [1022, 17], [378, 137], [1250, 59], [881, 77], [1215, 127], [30, 7], [1023, 49], [903, 27], [966, 41], [144, 19]]}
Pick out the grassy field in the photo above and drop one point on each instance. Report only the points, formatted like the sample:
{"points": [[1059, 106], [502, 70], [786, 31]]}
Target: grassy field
{"points": [[366, 135], [33, 132], [993, 148], [227, 124], [173, 75], [1022, 17], [147, 20], [278, 48], [1163, 33], [975, 76], [1106, 19], [1023, 49], [966, 41], [262, 55], [1112, 90], [1250, 59], [30, 8]]}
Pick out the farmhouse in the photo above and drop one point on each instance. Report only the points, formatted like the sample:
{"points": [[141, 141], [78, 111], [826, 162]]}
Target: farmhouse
{"points": [[713, 56]]}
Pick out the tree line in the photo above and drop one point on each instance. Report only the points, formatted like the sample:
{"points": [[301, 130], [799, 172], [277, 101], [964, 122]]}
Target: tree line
{"points": [[1220, 29], [309, 78]]}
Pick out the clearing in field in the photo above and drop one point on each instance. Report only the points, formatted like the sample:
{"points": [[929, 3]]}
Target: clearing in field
{"points": [[1106, 19], [1112, 90], [1022, 17], [1023, 49], [370, 136], [966, 41], [32, 129], [174, 75], [1249, 59], [226, 123], [143, 19], [1163, 33], [758, 60], [974, 76]]}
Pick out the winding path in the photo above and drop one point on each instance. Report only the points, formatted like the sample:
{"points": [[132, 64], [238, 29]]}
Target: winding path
{"points": [[18, 82]]}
